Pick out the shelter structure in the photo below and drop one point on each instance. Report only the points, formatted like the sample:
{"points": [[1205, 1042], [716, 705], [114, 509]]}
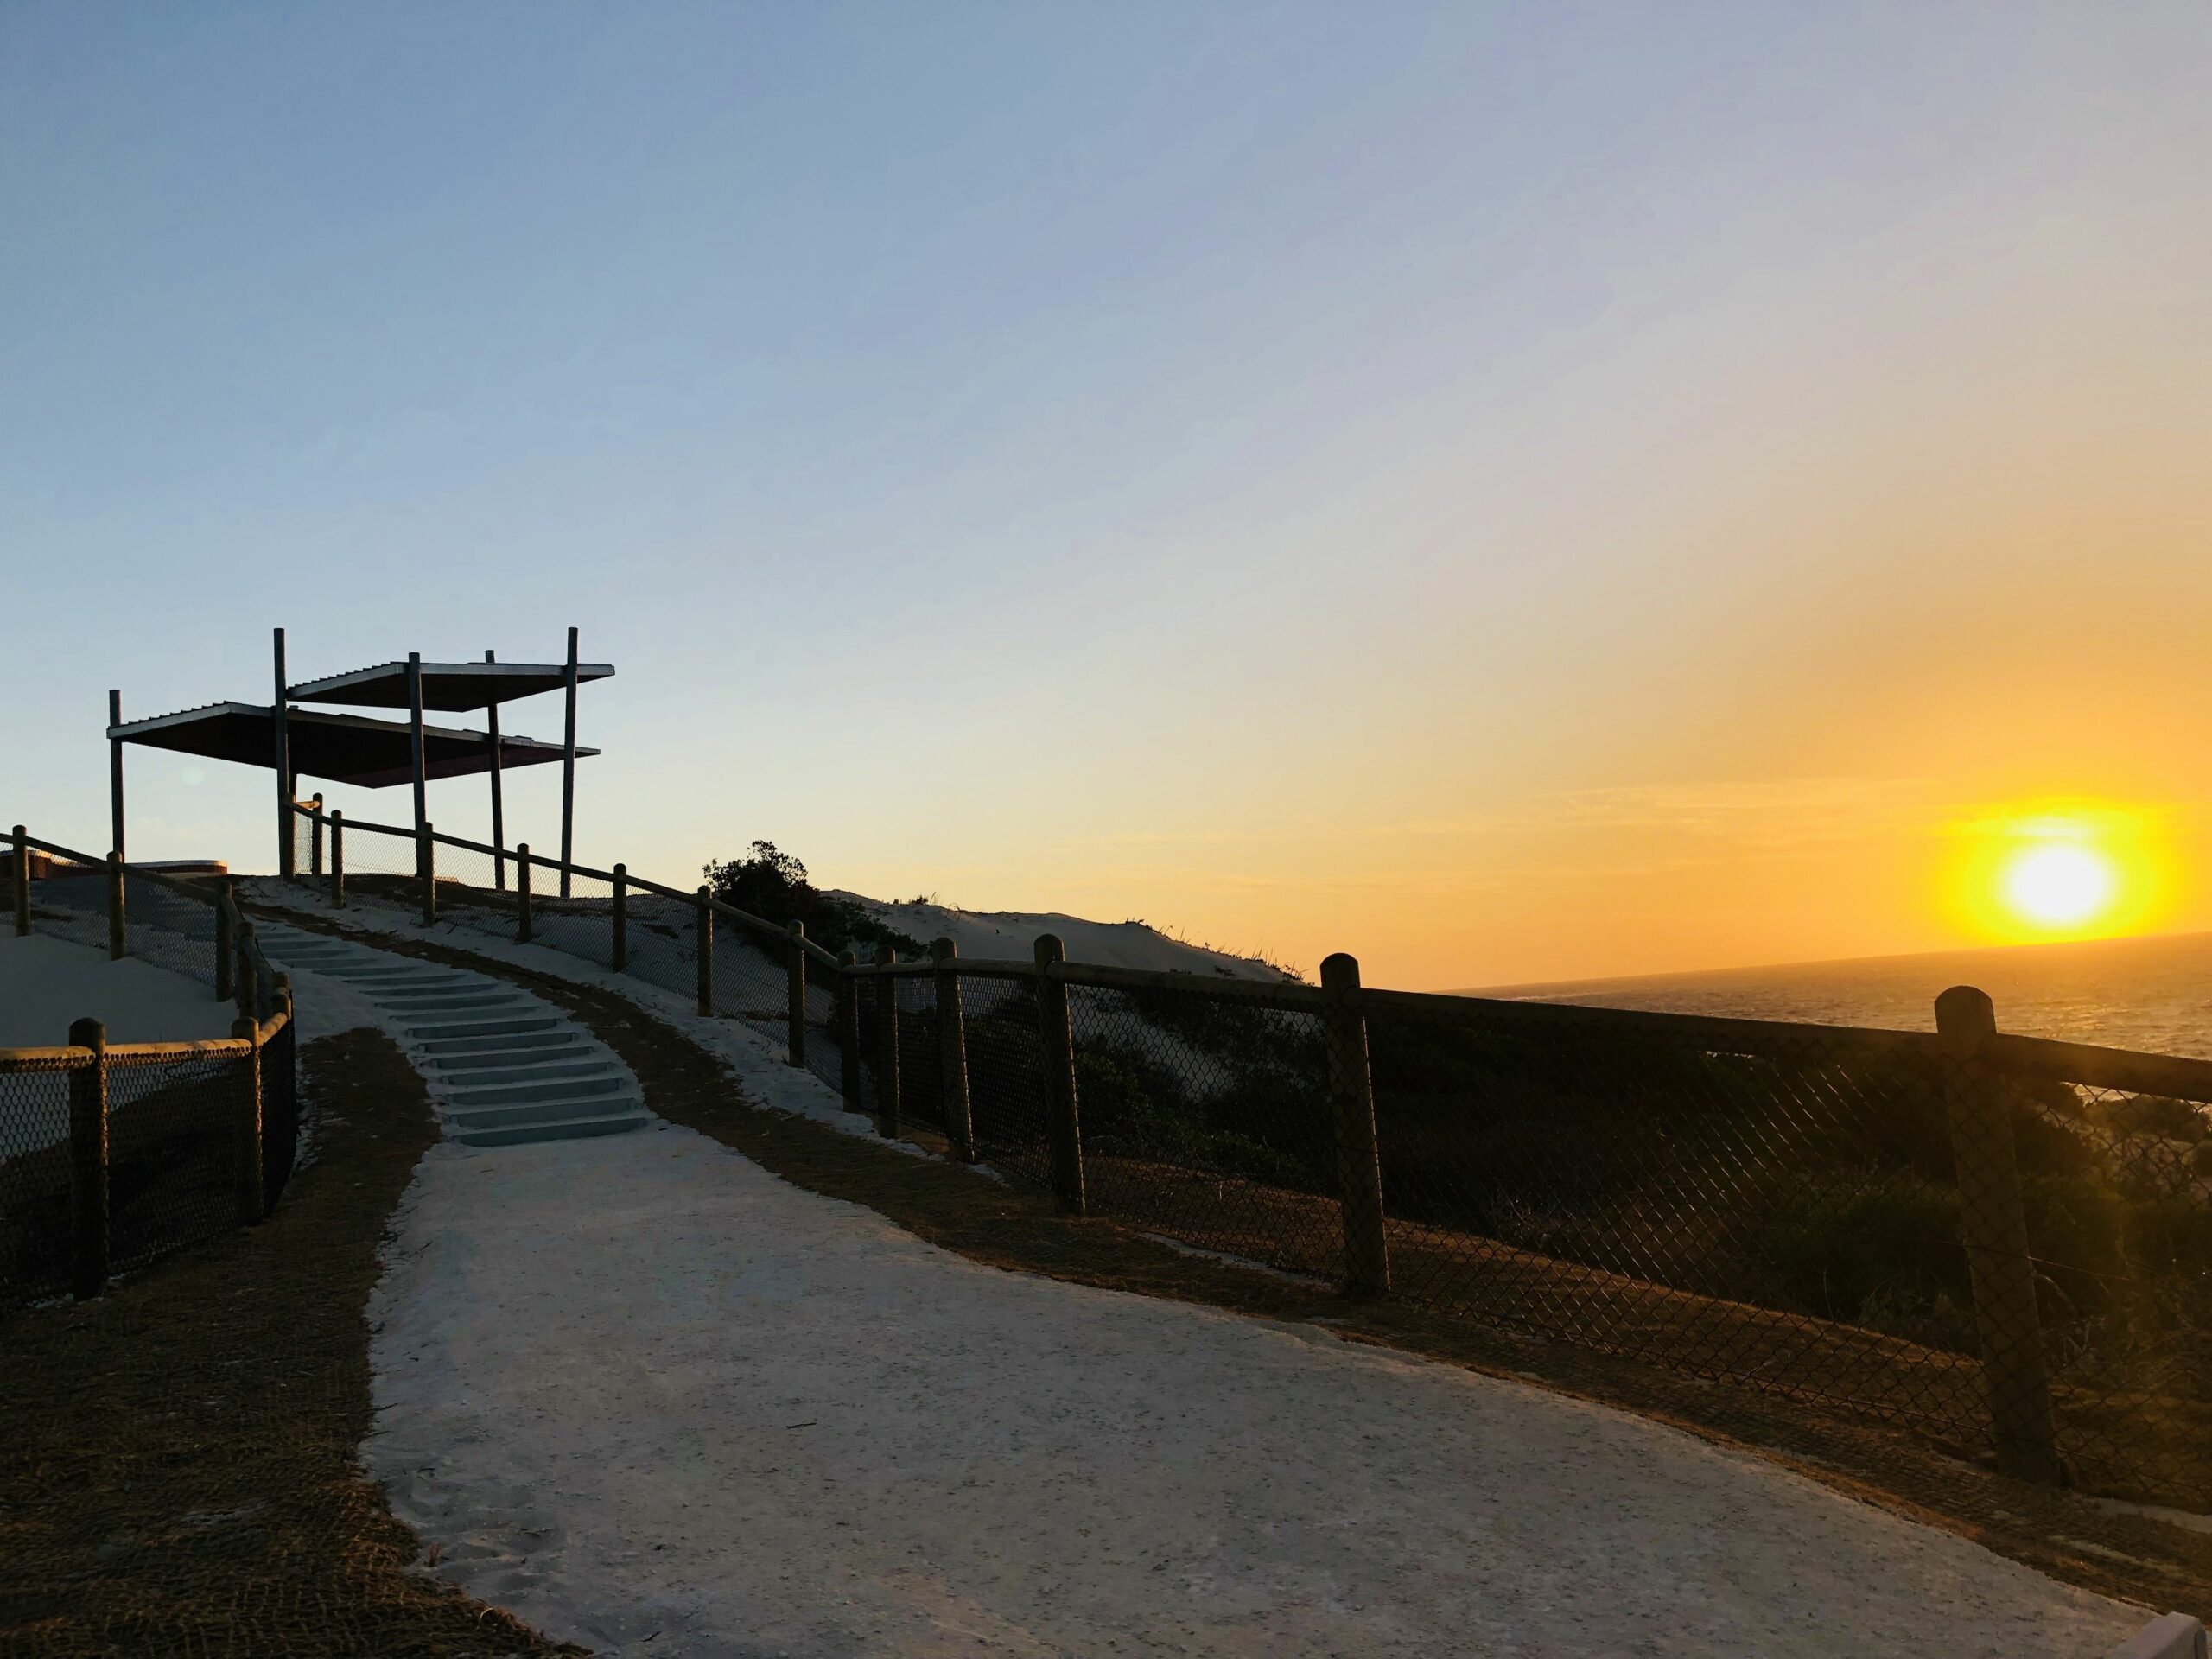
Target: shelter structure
{"points": [[372, 752]]}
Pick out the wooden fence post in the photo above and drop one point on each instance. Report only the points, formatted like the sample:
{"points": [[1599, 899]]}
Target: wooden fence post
{"points": [[242, 969], [118, 941], [247, 1130], [952, 1051], [315, 836], [795, 994], [618, 952], [19, 880], [702, 941], [849, 1031], [88, 1159], [1351, 1098], [522, 892], [338, 860], [1994, 1225], [886, 1044], [1063, 1125], [426, 860]]}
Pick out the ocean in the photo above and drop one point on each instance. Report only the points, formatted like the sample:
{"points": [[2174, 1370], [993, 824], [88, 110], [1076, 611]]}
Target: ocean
{"points": [[2153, 993]]}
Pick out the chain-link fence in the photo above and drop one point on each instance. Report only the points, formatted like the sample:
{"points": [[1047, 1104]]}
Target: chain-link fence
{"points": [[1986, 1240], [111, 1156]]}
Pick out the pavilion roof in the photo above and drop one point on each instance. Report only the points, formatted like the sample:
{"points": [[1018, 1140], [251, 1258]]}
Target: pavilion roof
{"points": [[448, 687], [342, 748]]}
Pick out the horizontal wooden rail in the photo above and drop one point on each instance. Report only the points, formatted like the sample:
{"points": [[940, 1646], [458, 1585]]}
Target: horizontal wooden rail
{"points": [[2125, 1069], [66, 1057], [1762, 1037]]}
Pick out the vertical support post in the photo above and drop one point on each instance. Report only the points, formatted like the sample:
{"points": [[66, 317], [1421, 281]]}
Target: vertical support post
{"points": [[19, 880], [280, 1100], [88, 1159], [522, 892], [849, 1031], [569, 774], [619, 954], [314, 835], [338, 860], [426, 860], [1994, 1224], [242, 968], [886, 1043], [118, 941], [952, 1051], [703, 943], [1063, 1129], [287, 859], [115, 775], [1351, 1098], [226, 950], [417, 749], [498, 807], [247, 1132], [795, 994]]}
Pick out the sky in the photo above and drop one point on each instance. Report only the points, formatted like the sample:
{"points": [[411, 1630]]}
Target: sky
{"points": [[1515, 493]]}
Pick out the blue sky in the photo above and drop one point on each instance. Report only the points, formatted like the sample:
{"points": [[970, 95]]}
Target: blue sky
{"points": [[1155, 460]]}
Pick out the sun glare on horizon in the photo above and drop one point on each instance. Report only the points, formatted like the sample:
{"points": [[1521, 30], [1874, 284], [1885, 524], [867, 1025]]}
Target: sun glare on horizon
{"points": [[2060, 884], [2062, 871]]}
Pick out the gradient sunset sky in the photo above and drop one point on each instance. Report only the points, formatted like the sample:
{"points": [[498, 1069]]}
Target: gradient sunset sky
{"points": [[1513, 492]]}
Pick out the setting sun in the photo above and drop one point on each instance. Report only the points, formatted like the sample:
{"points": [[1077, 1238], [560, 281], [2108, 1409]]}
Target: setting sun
{"points": [[2061, 869], [2060, 884]]}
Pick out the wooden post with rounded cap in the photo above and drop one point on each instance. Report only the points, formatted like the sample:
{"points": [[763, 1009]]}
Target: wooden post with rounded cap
{"points": [[337, 861], [1063, 1123], [952, 1053], [1993, 1223], [618, 950], [522, 892], [1351, 1099]]}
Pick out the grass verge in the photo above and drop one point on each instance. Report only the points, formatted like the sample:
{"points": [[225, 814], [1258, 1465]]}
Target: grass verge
{"points": [[2135, 1556], [177, 1474]]}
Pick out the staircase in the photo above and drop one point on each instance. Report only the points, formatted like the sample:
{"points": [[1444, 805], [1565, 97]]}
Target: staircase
{"points": [[503, 1066]]}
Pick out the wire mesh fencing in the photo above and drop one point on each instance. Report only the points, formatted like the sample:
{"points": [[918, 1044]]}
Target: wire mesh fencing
{"points": [[171, 925], [178, 1131], [2018, 1266], [37, 1208], [71, 903], [1208, 1120]]}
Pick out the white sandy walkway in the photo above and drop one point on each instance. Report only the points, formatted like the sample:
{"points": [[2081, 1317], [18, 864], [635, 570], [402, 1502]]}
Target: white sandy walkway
{"points": [[656, 1400], [46, 983]]}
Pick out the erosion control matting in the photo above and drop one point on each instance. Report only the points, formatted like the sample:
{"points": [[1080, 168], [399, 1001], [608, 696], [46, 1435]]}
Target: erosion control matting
{"points": [[2080, 1541], [177, 1470]]}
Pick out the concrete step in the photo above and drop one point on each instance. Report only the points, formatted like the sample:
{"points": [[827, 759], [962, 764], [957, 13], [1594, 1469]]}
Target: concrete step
{"points": [[494, 1059], [562, 1068], [540, 1111], [525, 1094], [576, 1128], [431, 1034], [442, 1002], [503, 1043]]}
